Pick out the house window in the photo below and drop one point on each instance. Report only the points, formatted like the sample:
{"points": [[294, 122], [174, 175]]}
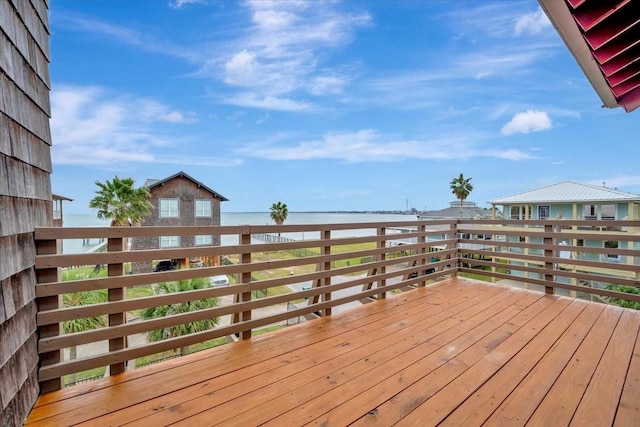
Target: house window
{"points": [[521, 212], [204, 240], [590, 212], [608, 212], [203, 208], [515, 212], [169, 208], [544, 212], [605, 212], [169, 241]]}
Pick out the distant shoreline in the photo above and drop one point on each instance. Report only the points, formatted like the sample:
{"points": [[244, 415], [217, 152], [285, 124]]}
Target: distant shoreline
{"points": [[333, 212]]}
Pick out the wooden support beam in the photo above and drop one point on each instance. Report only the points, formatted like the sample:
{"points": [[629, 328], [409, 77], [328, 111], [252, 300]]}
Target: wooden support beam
{"points": [[48, 275], [326, 250], [116, 294], [548, 265]]}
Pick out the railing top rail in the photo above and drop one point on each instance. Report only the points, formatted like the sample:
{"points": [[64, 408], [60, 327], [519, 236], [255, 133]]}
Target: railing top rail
{"points": [[42, 233]]}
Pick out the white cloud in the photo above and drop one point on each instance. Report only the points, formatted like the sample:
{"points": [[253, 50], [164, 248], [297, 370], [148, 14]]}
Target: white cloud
{"points": [[92, 127], [529, 121], [241, 69], [253, 100], [282, 53], [177, 4], [272, 20], [496, 61], [490, 19], [513, 154], [531, 23], [153, 111], [482, 75], [327, 84], [371, 146]]}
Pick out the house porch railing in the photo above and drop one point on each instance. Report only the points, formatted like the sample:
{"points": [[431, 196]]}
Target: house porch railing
{"points": [[324, 266]]}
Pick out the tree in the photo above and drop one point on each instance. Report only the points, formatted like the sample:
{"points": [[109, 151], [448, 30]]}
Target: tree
{"points": [[621, 301], [120, 202], [279, 212], [461, 187], [185, 307], [76, 299]]}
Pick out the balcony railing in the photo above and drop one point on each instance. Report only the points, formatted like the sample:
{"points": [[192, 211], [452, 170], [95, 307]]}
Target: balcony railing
{"points": [[325, 266]]}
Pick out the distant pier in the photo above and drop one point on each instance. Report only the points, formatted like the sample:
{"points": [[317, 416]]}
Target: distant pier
{"points": [[272, 238], [96, 245]]}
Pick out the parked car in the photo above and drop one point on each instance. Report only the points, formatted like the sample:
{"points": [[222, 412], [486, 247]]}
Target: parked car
{"points": [[217, 281], [427, 271], [195, 263], [165, 265]]}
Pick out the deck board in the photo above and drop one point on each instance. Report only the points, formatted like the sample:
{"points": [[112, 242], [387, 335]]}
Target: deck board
{"points": [[521, 399], [292, 366], [315, 384], [600, 401], [459, 352]]}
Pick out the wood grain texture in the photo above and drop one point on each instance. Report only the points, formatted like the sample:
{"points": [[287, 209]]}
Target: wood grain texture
{"points": [[455, 351]]}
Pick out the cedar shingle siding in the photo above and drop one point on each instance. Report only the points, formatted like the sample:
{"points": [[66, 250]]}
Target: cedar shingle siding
{"points": [[187, 192], [25, 194]]}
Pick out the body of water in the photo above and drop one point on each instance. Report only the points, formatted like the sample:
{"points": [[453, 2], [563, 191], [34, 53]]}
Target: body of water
{"points": [[250, 218]]}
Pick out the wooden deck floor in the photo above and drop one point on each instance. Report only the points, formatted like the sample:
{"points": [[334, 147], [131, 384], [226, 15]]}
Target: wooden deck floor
{"points": [[455, 353]]}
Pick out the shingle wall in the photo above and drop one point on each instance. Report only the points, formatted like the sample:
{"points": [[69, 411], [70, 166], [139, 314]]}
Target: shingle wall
{"points": [[25, 194]]}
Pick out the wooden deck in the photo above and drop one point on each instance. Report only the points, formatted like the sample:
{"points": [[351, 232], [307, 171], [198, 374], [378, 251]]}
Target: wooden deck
{"points": [[458, 352]]}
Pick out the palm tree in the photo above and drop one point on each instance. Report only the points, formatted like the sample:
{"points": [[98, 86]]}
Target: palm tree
{"points": [[461, 187], [185, 307], [120, 202], [279, 212], [76, 299]]}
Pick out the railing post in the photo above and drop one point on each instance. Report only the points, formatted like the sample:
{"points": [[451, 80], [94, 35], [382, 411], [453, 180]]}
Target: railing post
{"points": [[423, 250], [383, 256], [48, 275], [457, 246], [245, 278], [326, 250], [116, 294], [548, 265]]}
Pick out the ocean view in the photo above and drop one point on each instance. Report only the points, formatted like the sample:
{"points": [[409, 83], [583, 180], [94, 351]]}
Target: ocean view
{"points": [[250, 218]]}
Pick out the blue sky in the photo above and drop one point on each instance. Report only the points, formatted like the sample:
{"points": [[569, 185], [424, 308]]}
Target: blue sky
{"points": [[335, 105]]}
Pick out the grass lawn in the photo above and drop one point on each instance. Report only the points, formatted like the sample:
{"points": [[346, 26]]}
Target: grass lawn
{"points": [[308, 268], [81, 273], [139, 292], [84, 375]]}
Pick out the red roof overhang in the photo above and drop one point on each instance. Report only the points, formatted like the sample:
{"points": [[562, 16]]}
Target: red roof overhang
{"points": [[604, 37]]}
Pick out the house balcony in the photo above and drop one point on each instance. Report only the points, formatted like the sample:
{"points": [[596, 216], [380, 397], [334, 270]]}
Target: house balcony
{"points": [[442, 332]]}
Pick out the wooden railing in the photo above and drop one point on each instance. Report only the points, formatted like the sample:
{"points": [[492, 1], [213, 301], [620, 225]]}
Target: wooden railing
{"points": [[343, 263]]}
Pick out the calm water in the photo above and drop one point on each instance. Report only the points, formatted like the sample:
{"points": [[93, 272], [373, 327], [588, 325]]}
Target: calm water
{"points": [[250, 218]]}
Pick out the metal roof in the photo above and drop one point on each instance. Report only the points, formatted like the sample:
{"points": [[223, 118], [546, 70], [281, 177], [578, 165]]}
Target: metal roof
{"points": [[568, 191], [151, 183], [59, 197], [604, 38]]}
